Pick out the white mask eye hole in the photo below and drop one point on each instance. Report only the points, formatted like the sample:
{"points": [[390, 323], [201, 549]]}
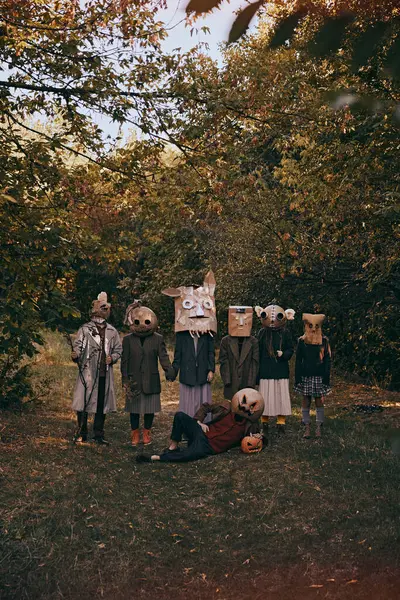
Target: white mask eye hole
{"points": [[188, 304], [207, 304]]}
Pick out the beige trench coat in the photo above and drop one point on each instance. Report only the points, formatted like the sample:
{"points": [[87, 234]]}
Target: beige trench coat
{"points": [[87, 345]]}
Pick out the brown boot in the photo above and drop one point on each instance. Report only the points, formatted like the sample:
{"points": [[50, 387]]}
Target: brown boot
{"points": [[146, 436], [135, 437], [318, 430], [307, 432]]}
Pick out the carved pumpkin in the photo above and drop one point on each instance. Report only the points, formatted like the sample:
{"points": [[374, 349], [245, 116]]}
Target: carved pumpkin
{"points": [[251, 445], [248, 403]]}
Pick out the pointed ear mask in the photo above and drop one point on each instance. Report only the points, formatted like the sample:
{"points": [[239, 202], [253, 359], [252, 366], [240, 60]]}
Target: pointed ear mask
{"points": [[258, 310]]}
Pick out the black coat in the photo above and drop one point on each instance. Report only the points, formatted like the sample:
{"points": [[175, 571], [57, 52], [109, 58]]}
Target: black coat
{"points": [[193, 368], [275, 367], [139, 363], [313, 360], [238, 371]]}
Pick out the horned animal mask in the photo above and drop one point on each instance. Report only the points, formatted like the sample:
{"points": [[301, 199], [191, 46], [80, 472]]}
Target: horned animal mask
{"points": [[195, 307]]}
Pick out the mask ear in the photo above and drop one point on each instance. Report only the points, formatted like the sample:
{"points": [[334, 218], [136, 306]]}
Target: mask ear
{"points": [[172, 292], [289, 312], [258, 310], [209, 283], [102, 297]]}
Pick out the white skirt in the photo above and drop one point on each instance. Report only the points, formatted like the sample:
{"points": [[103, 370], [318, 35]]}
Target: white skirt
{"points": [[276, 397]]}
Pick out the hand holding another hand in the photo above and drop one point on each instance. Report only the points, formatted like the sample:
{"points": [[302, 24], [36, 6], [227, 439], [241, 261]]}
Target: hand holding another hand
{"points": [[108, 360], [279, 353], [210, 376]]}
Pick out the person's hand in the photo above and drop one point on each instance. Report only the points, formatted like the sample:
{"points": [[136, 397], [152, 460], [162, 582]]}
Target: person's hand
{"points": [[279, 353], [108, 360], [210, 376], [256, 435], [74, 355], [204, 427]]}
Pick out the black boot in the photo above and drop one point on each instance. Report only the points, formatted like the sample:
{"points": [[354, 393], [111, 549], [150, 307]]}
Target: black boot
{"points": [[265, 434]]}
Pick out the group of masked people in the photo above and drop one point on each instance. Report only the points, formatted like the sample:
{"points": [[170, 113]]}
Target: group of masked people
{"points": [[246, 363]]}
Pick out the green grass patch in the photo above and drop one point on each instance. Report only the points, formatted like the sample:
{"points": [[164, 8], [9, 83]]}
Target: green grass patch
{"points": [[314, 519]]}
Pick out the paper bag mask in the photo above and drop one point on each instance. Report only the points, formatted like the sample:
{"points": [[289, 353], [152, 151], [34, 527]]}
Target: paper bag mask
{"points": [[313, 328], [195, 307], [240, 321]]}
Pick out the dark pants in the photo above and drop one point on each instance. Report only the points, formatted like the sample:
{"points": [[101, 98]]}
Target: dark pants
{"points": [[99, 417], [198, 444], [148, 420]]}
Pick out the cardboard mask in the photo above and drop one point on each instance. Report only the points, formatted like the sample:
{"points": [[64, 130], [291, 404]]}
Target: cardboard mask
{"points": [[195, 307], [313, 328], [248, 403], [274, 316], [240, 321], [100, 307], [142, 321]]}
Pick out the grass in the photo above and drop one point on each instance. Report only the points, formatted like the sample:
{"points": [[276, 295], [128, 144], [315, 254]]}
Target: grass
{"points": [[305, 519]]}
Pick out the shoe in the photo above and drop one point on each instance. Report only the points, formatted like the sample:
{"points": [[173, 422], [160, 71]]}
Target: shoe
{"points": [[147, 436], [280, 429], [101, 441], [80, 438], [135, 437], [143, 458], [167, 449], [318, 431], [307, 432]]}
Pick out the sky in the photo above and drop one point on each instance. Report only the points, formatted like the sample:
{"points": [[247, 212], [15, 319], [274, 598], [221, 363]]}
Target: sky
{"points": [[219, 21]]}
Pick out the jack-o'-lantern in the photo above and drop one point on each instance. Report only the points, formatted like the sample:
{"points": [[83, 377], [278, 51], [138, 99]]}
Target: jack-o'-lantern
{"points": [[248, 403], [251, 444]]}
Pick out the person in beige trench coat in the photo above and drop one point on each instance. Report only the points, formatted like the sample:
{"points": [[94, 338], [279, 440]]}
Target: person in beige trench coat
{"points": [[96, 349]]}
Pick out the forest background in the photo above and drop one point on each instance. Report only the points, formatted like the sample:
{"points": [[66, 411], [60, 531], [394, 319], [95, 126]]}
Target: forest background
{"points": [[278, 169]]}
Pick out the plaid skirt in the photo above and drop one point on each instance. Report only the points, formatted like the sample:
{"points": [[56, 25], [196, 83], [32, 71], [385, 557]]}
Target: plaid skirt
{"points": [[312, 386]]}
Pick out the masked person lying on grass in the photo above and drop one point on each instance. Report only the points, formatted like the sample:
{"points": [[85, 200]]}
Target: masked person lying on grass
{"points": [[231, 422]]}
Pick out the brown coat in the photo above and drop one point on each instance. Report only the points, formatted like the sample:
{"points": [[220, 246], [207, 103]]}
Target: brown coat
{"points": [[139, 363], [238, 371], [218, 411]]}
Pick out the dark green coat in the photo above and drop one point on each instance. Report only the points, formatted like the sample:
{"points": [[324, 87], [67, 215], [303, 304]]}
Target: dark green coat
{"points": [[139, 363], [275, 367], [238, 371]]}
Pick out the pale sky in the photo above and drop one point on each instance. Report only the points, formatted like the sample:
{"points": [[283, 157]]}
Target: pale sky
{"points": [[219, 23]]}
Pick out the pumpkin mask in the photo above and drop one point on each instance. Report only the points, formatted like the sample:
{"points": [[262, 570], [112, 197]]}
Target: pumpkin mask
{"points": [[248, 403]]}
